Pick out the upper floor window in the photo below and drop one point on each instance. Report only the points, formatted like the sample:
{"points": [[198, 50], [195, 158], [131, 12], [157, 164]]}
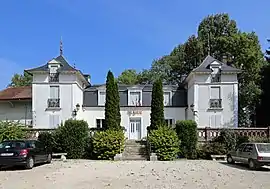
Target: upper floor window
{"points": [[135, 98], [167, 98], [54, 100], [216, 75], [101, 98], [215, 97]]}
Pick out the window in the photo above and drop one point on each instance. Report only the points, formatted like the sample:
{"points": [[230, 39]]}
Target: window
{"points": [[241, 147], [167, 98], [215, 98], [215, 75], [215, 121], [170, 122], [54, 92], [215, 93], [248, 148], [53, 69], [135, 98], [54, 101], [54, 121], [100, 123], [102, 98]]}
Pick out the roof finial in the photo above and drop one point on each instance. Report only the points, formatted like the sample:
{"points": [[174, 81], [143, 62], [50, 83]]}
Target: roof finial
{"points": [[61, 47]]}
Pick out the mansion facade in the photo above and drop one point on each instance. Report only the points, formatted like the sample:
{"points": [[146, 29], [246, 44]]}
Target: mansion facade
{"points": [[209, 96]]}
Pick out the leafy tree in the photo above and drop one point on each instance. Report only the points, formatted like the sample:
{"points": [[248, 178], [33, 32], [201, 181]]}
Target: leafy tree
{"points": [[112, 109], [129, 77], [157, 106], [219, 36], [19, 80]]}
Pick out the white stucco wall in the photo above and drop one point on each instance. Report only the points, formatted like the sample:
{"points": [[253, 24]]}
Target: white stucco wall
{"points": [[70, 93], [16, 111], [90, 114]]}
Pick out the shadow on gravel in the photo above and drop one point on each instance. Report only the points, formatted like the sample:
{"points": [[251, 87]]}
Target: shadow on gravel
{"points": [[18, 168], [244, 167]]}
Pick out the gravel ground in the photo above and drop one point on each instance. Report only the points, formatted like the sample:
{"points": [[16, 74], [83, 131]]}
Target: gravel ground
{"points": [[80, 174]]}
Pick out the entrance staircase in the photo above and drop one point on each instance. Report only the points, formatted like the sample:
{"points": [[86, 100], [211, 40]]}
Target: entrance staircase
{"points": [[135, 150]]}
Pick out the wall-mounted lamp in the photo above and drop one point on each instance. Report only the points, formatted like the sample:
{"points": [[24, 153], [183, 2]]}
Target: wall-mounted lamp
{"points": [[192, 109], [77, 107], [74, 112]]}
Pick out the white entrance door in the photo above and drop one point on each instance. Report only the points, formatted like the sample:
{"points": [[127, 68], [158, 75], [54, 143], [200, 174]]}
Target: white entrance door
{"points": [[135, 129]]}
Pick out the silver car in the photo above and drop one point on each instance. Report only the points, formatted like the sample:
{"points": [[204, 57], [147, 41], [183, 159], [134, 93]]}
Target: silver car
{"points": [[253, 154]]}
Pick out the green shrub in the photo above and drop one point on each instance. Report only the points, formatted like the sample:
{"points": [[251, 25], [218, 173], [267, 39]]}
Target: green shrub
{"points": [[72, 138], [258, 139], [11, 130], [164, 142], [205, 151], [48, 139], [187, 133], [106, 144], [241, 139], [228, 138]]}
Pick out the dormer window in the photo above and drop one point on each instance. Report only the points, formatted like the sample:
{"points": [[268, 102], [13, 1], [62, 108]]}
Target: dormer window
{"points": [[216, 73]]}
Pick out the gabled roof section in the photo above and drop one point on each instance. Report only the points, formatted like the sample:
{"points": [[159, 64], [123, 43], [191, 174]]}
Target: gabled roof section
{"points": [[205, 66], [64, 66], [16, 93]]}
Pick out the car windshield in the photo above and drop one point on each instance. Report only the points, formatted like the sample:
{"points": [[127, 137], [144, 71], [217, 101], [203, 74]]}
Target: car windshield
{"points": [[263, 148], [12, 144]]}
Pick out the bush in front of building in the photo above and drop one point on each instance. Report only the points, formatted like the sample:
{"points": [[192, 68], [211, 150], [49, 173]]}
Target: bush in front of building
{"points": [[157, 105], [112, 104], [48, 139], [204, 151], [106, 144], [187, 133], [164, 142], [72, 138], [11, 130]]}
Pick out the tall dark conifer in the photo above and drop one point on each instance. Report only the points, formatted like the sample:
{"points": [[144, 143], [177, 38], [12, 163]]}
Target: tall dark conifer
{"points": [[157, 106], [112, 109]]}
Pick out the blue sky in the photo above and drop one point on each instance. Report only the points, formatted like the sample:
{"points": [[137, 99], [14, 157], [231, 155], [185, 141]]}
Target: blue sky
{"points": [[103, 34]]}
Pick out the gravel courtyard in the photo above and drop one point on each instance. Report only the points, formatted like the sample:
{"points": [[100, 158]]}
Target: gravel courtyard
{"points": [[80, 174]]}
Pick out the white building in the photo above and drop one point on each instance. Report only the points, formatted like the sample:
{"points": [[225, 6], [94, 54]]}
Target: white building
{"points": [[60, 92]]}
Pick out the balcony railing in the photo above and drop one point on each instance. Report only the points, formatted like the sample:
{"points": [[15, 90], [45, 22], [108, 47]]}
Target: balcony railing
{"points": [[215, 103], [54, 77], [54, 103]]}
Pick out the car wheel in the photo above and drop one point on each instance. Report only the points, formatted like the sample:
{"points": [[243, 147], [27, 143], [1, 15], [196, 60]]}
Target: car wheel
{"points": [[49, 158], [30, 163], [230, 159], [252, 165]]}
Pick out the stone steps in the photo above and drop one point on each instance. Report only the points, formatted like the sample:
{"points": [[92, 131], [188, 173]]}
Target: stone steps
{"points": [[135, 150]]}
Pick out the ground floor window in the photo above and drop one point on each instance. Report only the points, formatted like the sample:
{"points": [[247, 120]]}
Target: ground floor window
{"points": [[100, 123], [54, 121], [170, 122]]}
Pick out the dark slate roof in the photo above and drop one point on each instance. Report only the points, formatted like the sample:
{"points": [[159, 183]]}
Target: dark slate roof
{"points": [[205, 66], [123, 87], [64, 66]]}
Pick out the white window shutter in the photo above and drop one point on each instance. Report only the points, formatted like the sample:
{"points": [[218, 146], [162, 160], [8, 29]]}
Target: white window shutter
{"points": [[215, 93]]}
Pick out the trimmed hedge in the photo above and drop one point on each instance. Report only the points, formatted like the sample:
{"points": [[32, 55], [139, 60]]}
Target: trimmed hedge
{"points": [[205, 151], [106, 144], [187, 133], [47, 139], [72, 138], [11, 130], [164, 142]]}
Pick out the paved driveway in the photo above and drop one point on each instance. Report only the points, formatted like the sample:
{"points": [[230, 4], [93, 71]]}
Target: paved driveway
{"points": [[79, 174]]}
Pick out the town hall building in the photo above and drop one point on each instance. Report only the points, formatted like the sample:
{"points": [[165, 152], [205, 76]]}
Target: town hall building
{"points": [[209, 95]]}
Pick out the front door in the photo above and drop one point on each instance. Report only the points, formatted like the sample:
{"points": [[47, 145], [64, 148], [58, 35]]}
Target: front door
{"points": [[135, 129]]}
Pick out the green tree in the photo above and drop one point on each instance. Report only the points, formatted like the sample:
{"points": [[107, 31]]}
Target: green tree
{"points": [[129, 77], [112, 109], [157, 106], [19, 80]]}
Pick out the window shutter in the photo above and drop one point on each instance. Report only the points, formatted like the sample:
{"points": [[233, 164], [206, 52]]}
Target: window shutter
{"points": [[215, 93]]}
